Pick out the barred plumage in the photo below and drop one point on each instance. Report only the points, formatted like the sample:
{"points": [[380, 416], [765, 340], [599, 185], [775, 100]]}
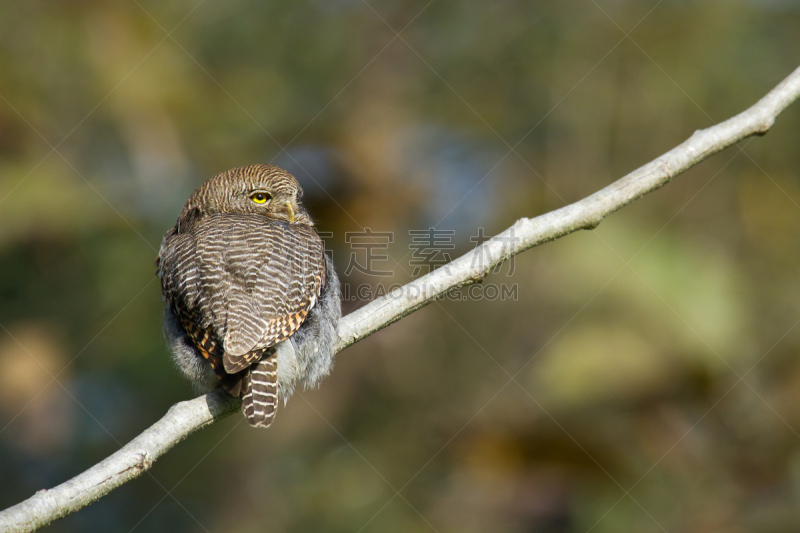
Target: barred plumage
{"points": [[260, 392], [243, 271]]}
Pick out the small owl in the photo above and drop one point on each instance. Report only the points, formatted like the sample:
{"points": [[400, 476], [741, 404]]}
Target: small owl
{"points": [[253, 302]]}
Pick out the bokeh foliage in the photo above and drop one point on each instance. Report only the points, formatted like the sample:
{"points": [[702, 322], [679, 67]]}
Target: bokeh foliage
{"points": [[654, 359]]}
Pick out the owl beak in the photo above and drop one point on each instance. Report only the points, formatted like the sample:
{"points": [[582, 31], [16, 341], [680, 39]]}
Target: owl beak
{"points": [[290, 210]]}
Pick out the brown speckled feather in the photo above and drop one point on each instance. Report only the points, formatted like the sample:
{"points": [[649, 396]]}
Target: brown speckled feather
{"points": [[248, 280], [241, 279], [260, 393], [212, 351]]}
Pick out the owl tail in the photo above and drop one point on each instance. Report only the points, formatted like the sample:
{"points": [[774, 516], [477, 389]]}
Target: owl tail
{"points": [[260, 392]]}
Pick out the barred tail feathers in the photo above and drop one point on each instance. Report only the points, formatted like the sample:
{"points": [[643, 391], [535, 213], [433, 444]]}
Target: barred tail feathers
{"points": [[260, 392]]}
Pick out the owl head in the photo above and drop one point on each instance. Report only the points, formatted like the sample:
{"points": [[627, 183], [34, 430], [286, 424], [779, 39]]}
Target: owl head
{"points": [[255, 189]]}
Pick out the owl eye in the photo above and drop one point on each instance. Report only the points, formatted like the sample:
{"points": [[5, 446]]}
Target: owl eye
{"points": [[261, 197]]}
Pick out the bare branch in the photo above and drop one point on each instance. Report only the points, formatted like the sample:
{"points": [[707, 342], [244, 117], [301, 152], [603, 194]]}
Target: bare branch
{"points": [[185, 418]]}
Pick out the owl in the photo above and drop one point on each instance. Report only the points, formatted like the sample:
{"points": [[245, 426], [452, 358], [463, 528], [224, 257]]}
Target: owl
{"points": [[252, 300]]}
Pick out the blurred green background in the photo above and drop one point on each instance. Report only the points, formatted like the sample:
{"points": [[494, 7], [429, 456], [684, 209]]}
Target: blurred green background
{"points": [[656, 384]]}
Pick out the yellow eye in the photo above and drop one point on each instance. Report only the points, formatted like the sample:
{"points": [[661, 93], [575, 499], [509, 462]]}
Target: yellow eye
{"points": [[260, 197]]}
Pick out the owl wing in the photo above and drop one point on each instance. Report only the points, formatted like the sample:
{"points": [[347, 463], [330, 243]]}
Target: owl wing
{"points": [[179, 271], [249, 280]]}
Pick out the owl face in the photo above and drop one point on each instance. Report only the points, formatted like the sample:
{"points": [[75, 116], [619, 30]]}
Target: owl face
{"points": [[265, 198], [256, 189]]}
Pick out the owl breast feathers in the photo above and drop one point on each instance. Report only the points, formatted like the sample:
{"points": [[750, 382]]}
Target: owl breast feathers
{"points": [[253, 302]]}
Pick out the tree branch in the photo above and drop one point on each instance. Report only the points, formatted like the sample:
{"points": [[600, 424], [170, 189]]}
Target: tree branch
{"points": [[185, 418]]}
